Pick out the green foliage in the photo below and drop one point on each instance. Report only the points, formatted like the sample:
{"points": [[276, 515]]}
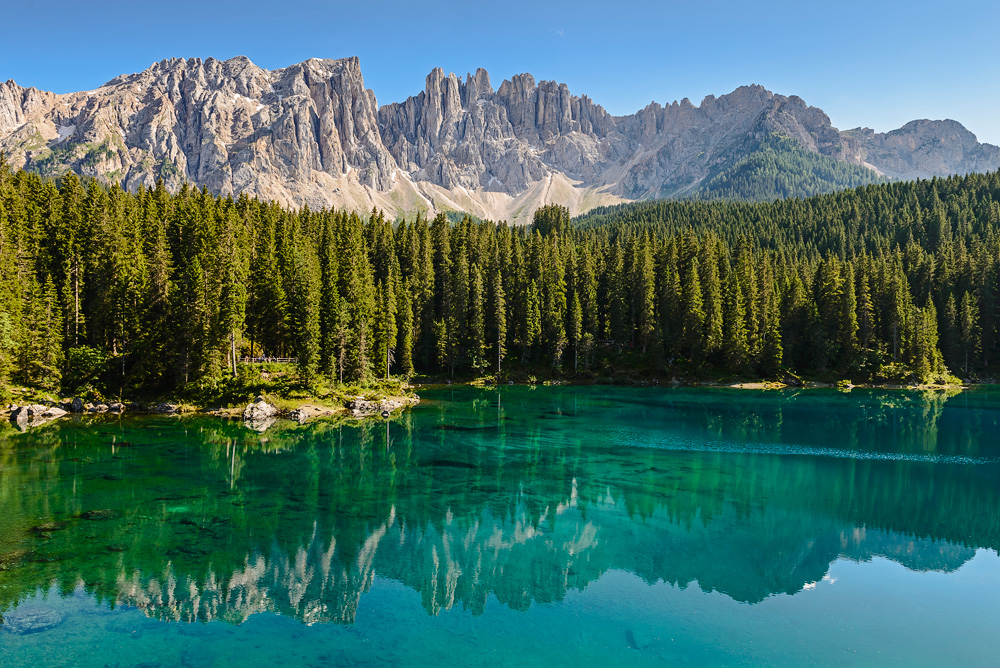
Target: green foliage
{"points": [[551, 219], [155, 293], [84, 365]]}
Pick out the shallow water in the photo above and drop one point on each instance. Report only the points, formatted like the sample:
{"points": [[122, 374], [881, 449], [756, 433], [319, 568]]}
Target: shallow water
{"points": [[555, 526]]}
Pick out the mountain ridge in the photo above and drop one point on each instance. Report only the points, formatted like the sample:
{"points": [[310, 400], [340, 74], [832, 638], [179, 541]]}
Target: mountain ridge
{"points": [[312, 133]]}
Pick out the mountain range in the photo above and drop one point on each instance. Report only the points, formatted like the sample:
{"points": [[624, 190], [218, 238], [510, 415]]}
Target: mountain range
{"points": [[313, 134]]}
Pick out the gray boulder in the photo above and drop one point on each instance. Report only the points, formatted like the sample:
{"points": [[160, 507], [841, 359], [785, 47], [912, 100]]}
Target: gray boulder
{"points": [[74, 405], [33, 415], [361, 407], [259, 411]]}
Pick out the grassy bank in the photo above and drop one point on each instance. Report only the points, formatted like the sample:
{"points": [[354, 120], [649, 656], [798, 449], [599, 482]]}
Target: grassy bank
{"points": [[279, 383]]}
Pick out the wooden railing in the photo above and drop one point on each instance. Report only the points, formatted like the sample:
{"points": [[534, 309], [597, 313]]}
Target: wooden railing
{"points": [[262, 360]]}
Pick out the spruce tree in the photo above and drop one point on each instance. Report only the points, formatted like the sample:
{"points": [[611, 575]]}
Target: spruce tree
{"points": [[477, 321], [499, 311]]}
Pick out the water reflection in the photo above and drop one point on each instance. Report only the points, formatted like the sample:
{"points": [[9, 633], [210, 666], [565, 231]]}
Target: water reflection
{"points": [[522, 495]]}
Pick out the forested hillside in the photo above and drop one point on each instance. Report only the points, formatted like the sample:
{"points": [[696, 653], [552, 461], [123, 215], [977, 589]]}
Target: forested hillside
{"points": [[778, 168], [148, 292]]}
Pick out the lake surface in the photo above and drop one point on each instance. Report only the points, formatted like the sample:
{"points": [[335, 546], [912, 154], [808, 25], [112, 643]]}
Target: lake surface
{"points": [[554, 526]]}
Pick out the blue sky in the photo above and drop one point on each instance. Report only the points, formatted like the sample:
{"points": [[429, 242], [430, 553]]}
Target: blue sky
{"points": [[871, 63]]}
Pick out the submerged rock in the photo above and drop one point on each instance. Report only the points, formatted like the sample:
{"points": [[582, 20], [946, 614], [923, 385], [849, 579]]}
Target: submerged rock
{"points": [[102, 514], [49, 527], [32, 620], [9, 560]]}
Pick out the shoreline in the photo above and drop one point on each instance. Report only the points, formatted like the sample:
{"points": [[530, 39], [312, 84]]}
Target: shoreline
{"points": [[259, 415], [265, 411], [736, 384]]}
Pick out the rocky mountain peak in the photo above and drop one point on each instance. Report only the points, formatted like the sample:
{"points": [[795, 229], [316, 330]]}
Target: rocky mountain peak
{"points": [[924, 148], [312, 133]]}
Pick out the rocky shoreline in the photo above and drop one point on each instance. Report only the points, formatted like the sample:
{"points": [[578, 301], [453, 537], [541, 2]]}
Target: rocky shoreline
{"points": [[258, 415]]}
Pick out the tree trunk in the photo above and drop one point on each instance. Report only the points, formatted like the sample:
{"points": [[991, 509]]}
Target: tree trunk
{"points": [[76, 302], [232, 350]]}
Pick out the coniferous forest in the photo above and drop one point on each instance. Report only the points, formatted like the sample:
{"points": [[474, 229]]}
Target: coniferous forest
{"points": [[149, 292]]}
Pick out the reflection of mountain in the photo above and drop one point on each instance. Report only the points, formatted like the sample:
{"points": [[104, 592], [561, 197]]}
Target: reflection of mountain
{"points": [[219, 523]]}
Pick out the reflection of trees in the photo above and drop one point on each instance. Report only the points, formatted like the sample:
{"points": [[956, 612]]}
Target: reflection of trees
{"points": [[217, 522]]}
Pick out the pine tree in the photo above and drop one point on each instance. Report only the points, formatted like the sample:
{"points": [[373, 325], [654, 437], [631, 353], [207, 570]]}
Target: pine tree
{"points": [[384, 325], [477, 321], [499, 311], [404, 307], [304, 313], [969, 329], [644, 291], [234, 279], [694, 313], [866, 310], [712, 298], [532, 327], [735, 337], [41, 350], [575, 328], [848, 319]]}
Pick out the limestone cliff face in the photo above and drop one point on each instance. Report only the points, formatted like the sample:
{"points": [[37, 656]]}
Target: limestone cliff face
{"points": [[675, 147], [923, 148], [230, 125], [464, 134], [313, 134]]}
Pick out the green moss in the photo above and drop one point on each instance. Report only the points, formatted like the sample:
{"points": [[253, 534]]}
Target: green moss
{"points": [[167, 169], [63, 156], [33, 143]]}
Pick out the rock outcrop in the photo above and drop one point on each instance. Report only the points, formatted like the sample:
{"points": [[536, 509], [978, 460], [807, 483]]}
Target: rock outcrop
{"points": [[305, 413], [361, 407], [313, 134], [259, 410], [34, 415], [922, 149], [260, 415]]}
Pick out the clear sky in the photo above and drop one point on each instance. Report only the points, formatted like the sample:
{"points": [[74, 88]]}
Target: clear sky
{"points": [[870, 63]]}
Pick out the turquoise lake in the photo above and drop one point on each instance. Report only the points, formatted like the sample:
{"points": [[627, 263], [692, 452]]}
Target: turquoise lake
{"points": [[548, 526]]}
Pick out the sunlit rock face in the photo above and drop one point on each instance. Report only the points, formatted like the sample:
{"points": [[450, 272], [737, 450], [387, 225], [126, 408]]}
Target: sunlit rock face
{"points": [[313, 134], [923, 149]]}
